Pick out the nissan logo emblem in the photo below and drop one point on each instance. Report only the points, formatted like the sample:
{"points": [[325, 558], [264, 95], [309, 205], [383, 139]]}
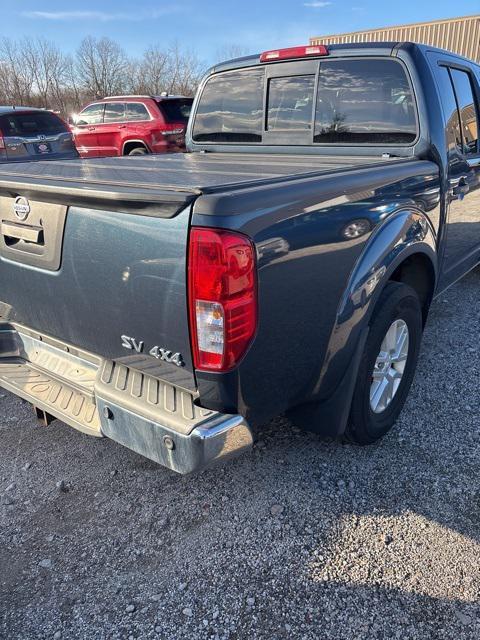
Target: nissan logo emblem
{"points": [[21, 208]]}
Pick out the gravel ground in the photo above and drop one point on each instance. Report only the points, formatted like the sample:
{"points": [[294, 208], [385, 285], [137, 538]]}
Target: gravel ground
{"points": [[299, 539]]}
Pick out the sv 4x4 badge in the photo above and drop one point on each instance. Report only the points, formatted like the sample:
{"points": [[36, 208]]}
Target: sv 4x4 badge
{"points": [[157, 352]]}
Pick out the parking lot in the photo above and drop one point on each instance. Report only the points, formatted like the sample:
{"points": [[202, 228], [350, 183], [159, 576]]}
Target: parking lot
{"points": [[298, 539]]}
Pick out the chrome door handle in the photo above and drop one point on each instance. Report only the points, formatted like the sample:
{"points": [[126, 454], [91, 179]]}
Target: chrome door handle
{"points": [[458, 188], [473, 163]]}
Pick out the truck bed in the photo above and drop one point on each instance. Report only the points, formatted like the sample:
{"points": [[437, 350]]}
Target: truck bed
{"points": [[190, 173]]}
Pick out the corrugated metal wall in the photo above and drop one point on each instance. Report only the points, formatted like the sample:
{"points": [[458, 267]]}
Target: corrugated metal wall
{"points": [[460, 35]]}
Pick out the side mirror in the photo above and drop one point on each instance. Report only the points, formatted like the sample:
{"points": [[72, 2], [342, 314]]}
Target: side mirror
{"points": [[72, 119]]}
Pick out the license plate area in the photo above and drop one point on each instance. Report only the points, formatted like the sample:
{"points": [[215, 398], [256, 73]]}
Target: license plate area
{"points": [[42, 148], [32, 232]]}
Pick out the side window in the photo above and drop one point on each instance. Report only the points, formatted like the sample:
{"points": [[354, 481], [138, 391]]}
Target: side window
{"points": [[290, 103], [136, 111], [467, 108], [231, 108], [114, 112], [93, 114], [449, 104]]}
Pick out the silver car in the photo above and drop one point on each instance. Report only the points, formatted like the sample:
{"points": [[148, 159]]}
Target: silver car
{"points": [[33, 134]]}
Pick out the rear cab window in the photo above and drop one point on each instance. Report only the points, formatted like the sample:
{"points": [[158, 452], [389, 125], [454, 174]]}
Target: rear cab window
{"points": [[31, 124], [290, 102], [231, 108], [366, 101]]}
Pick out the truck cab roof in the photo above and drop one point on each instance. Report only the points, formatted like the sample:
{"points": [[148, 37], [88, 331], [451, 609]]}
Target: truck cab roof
{"points": [[340, 50]]}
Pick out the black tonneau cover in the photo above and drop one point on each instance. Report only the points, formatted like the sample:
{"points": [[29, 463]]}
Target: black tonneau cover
{"points": [[162, 184]]}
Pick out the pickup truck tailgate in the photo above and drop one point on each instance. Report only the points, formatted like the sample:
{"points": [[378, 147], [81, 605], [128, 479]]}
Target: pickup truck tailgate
{"points": [[88, 277]]}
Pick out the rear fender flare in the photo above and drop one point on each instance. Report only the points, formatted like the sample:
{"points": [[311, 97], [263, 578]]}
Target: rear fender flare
{"points": [[400, 236], [405, 233]]}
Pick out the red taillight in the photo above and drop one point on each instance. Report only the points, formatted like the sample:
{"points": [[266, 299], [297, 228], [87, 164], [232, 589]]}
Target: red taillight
{"points": [[294, 52], [2, 142], [222, 287], [171, 130]]}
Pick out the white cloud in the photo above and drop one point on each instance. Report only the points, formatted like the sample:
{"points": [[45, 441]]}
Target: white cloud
{"points": [[316, 5], [101, 16]]}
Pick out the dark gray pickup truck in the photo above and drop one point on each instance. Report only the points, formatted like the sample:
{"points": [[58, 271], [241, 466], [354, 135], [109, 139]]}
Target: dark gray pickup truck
{"points": [[286, 264]]}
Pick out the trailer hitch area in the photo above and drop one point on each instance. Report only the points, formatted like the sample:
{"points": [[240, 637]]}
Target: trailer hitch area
{"points": [[43, 417]]}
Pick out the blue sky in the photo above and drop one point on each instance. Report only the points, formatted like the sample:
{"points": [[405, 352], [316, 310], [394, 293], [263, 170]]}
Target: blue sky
{"points": [[209, 26]]}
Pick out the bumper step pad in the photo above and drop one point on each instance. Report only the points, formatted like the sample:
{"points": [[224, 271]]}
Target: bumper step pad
{"points": [[152, 398], [43, 390]]}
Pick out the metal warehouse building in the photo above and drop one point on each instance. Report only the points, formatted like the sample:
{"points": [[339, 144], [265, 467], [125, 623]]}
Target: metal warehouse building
{"points": [[461, 35]]}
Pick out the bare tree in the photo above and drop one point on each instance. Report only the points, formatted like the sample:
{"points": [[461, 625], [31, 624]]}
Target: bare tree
{"points": [[102, 67], [185, 71], [171, 70], [230, 51], [38, 73], [151, 71], [15, 83], [47, 66], [73, 95]]}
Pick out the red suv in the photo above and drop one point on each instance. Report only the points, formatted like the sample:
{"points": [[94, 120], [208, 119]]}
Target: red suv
{"points": [[132, 125]]}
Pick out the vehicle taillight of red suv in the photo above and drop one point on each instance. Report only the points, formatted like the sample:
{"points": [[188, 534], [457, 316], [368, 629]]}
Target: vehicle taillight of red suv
{"points": [[132, 125]]}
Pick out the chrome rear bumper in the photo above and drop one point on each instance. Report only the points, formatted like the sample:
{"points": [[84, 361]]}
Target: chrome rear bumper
{"points": [[105, 398], [218, 438]]}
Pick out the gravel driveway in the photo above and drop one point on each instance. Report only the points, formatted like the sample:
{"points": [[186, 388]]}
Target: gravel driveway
{"points": [[299, 539]]}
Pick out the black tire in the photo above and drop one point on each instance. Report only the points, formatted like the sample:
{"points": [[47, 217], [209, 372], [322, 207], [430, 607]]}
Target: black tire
{"points": [[398, 301], [138, 151]]}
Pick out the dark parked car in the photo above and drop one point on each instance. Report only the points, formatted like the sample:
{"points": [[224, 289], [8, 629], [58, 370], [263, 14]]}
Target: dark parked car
{"points": [[33, 134], [285, 265], [132, 125]]}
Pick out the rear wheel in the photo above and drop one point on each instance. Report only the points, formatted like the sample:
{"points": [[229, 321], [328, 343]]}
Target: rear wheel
{"points": [[388, 364], [138, 151]]}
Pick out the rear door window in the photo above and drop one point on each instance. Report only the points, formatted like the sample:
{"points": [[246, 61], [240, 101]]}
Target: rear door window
{"points": [[31, 124], [467, 109], [449, 104], [114, 112], [174, 110], [93, 114], [136, 111], [231, 108], [290, 103], [364, 102]]}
